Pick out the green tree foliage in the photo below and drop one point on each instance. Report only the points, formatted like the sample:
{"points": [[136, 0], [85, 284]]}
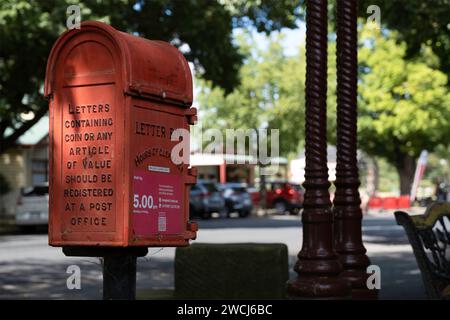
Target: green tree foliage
{"points": [[29, 28], [419, 23], [270, 96], [404, 105]]}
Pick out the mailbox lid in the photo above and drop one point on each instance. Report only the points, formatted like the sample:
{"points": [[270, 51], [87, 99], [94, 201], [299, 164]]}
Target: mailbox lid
{"points": [[158, 70], [149, 69]]}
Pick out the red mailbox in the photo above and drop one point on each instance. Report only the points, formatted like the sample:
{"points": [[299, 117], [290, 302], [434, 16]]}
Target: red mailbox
{"points": [[115, 100]]}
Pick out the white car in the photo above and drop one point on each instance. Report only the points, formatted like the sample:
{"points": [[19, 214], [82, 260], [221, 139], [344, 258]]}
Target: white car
{"points": [[32, 206]]}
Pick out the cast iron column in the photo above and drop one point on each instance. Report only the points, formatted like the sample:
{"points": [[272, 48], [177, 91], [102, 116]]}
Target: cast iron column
{"points": [[318, 265], [347, 210]]}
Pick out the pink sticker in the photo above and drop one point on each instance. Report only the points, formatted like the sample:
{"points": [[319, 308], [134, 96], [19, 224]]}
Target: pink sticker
{"points": [[157, 203]]}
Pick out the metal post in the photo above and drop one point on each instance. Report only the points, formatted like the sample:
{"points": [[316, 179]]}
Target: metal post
{"points": [[318, 265], [347, 202], [119, 277], [119, 268]]}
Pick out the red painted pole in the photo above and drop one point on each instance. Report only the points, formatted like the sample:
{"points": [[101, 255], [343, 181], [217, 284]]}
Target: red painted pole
{"points": [[318, 265], [223, 172], [347, 201]]}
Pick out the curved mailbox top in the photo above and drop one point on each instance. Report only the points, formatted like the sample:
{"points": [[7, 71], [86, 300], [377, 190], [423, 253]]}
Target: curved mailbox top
{"points": [[98, 53]]}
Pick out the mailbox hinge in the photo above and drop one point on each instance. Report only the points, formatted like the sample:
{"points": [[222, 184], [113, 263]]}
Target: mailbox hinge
{"points": [[191, 177], [191, 115], [191, 232]]}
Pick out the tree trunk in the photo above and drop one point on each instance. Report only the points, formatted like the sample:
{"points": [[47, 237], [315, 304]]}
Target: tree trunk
{"points": [[373, 176], [262, 178], [262, 190], [376, 174], [406, 168]]}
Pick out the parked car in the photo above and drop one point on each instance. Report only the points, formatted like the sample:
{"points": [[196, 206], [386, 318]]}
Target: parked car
{"points": [[204, 199], [280, 195], [32, 207], [284, 197], [254, 195], [237, 199]]}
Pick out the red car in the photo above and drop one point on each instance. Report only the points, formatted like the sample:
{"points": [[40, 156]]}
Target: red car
{"points": [[281, 196]]}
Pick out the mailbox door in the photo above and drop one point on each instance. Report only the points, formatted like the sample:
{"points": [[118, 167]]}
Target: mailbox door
{"points": [[86, 157], [158, 201]]}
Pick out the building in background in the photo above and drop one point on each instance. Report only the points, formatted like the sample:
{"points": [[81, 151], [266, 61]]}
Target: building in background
{"points": [[297, 166], [224, 168], [24, 165]]}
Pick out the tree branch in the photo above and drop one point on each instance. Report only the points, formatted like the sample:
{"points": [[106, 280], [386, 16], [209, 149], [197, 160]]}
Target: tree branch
{"points": [[10, 141]]}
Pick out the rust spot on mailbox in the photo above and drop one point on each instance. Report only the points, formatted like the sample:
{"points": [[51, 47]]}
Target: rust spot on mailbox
{"points": [[115, 99]]}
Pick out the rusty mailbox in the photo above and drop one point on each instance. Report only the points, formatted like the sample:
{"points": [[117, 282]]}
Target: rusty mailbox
{"points": [[115, 100]]}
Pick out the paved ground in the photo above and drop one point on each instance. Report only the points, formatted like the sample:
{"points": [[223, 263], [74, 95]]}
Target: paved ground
{"points": [[30, 269]]}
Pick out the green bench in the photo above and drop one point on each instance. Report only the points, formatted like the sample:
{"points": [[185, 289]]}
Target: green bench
{"points": [[429, 236]]}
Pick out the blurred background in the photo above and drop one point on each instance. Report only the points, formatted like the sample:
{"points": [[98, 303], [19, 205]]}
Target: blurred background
{"points": [[248, 63]]}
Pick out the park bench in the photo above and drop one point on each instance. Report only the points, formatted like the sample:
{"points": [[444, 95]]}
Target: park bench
{"points": [[429, 236]]}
